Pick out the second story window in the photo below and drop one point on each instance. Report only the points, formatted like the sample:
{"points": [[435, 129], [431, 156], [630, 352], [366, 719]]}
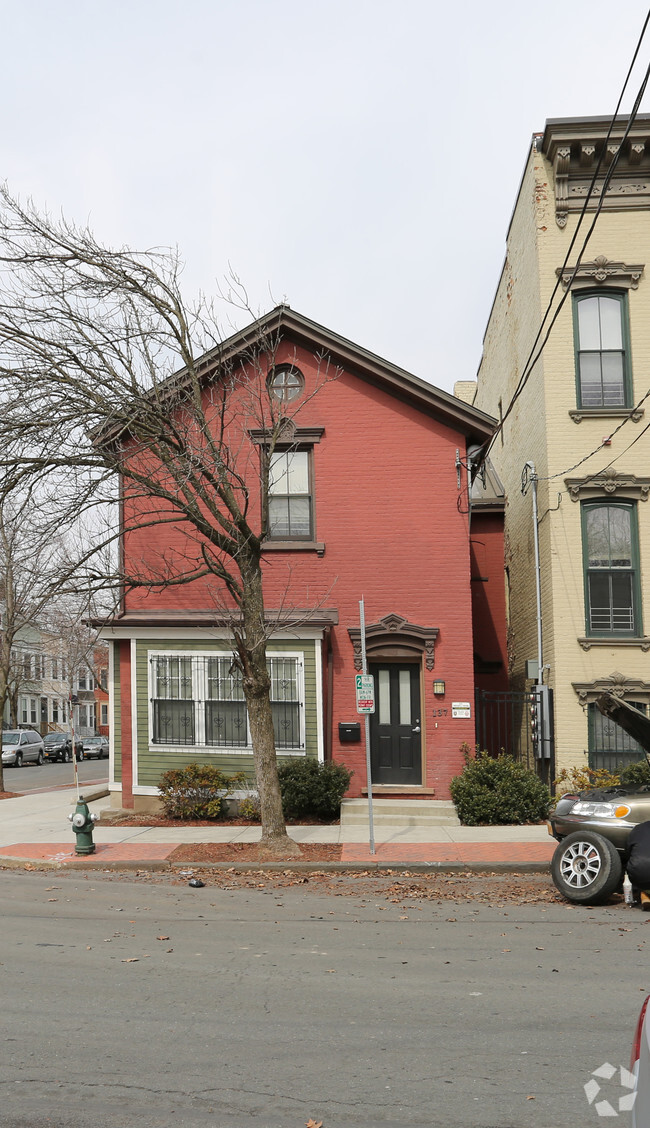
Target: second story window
{"points": [[611, 569], [290, 496], [602, 350]]}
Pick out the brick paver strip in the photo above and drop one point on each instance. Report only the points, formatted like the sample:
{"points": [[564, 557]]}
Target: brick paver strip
{"points": [[63, 852], [466, 852]]}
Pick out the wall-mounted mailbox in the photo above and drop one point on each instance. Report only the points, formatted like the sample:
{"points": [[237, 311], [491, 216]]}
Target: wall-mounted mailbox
{"points": [[349, 732]]}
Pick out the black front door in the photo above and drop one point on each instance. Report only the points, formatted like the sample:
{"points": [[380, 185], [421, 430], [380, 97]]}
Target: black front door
{"points": [[395, 726]]}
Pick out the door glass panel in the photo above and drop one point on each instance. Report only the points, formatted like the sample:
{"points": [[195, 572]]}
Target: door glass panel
{"points": [[405, 697], [384, 697]]}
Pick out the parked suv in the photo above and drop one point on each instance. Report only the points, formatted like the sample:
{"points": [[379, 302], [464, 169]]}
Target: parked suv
{"points": [[21, 746], [58, 746]]}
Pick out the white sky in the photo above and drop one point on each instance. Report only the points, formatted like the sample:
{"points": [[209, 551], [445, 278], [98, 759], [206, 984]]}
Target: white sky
{"points": [[358, 158]]}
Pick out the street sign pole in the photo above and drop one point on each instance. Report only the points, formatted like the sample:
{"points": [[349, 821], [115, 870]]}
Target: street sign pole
{"points": [[371, 822]]}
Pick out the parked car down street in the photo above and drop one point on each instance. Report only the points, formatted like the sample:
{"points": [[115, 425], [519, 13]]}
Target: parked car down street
{"points": [[21, 746], [58, 746], [96, 746]]}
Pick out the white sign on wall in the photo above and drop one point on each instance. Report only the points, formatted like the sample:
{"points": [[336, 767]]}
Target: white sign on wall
{"points": [[461, 709]]}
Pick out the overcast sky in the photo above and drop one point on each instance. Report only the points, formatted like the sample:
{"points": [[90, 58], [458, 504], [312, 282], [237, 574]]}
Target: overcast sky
{"points": [[359, 159]]}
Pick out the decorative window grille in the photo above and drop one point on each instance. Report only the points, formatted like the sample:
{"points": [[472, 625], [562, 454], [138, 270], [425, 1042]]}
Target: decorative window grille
{"points": [[199, 700]]}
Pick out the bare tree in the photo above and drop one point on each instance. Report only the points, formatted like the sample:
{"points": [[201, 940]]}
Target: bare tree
{"points": [[34, 568], [110, 381]]}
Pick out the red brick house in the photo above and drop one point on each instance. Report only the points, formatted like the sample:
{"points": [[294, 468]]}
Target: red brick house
{"points": [[370, 500]]}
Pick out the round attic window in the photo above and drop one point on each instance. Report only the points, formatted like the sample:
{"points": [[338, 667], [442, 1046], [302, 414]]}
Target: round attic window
{"points": [[286, 383]]}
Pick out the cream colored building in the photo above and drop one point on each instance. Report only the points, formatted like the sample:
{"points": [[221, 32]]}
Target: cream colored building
{"points": [[582, 418]]}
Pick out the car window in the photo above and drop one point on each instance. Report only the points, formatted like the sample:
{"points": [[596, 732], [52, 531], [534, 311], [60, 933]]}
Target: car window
{"points": [[10, 737]]}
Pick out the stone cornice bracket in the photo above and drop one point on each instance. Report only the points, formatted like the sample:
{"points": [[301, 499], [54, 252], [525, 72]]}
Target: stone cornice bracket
{"points": [[394, 631], [608, 482], [616, 684], [599, 271], [637, 149], [561, 169], [587, 153]]}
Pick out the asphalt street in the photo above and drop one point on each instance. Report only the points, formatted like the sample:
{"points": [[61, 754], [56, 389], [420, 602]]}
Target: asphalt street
{"points": [[32, 777], [140, 1001]]}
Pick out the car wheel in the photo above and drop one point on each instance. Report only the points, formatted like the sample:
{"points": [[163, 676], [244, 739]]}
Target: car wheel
{"points": [[18, 762], [40, 759], [586, 868], [67, 756], [80, 756]]}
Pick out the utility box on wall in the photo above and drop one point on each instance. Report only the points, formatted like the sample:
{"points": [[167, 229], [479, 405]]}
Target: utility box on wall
{"points": [[349, 732]]}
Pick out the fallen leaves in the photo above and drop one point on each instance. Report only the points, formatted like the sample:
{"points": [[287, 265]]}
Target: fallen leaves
{"points": [[313, 1123]]}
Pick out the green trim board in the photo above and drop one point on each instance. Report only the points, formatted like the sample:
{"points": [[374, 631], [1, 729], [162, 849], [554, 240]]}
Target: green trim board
{"points": [[153, 760]]}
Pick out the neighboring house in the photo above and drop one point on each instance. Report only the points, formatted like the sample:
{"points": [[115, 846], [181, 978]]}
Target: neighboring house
{"points": [[370, 500], [100, 664], [581, 419], [27, 699], [55, 685]]}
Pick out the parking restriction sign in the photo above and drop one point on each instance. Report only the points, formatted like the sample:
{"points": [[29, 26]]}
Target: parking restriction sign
{"points": [[365, 684]]}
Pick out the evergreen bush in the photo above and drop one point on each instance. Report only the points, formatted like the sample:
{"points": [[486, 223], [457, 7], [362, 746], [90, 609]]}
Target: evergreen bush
{"points": [[498, 791], [310, 789], [197, 791], [636, 773]]}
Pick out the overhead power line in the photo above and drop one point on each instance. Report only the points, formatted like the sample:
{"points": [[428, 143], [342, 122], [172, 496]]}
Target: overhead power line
{"points": [[534, 356]]}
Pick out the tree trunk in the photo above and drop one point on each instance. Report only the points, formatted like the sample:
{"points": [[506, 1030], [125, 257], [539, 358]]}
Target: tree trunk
{"points": [[251, 646]]}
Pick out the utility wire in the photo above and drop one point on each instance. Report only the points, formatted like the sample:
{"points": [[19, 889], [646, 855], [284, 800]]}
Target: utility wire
{"points": [[532, 357]]}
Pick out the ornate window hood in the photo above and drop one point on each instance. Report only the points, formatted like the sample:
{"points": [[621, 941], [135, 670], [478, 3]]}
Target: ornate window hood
{"points": [[617, 684], [611, 483], [599, 271]]}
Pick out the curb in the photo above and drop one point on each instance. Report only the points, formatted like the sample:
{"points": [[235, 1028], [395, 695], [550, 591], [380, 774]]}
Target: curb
{"points": [[157, 866]]}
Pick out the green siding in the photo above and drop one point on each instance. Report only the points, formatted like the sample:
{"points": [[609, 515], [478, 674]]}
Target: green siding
{"points": [[152, 760]]}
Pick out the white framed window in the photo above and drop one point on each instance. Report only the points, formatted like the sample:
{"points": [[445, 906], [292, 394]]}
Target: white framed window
{"points": [[32, 711], [24, 711], [198, 700], [104, 714], [55, 710]]}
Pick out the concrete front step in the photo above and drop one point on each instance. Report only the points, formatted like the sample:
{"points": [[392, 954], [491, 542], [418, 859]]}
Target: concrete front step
{"points": [[399, 812]]}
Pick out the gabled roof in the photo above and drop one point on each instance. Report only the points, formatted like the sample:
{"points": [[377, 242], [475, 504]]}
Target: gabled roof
{"points": [[284, 323]]}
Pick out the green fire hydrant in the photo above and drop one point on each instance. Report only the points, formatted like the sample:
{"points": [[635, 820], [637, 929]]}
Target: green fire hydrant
{"points": [[82, 824]]}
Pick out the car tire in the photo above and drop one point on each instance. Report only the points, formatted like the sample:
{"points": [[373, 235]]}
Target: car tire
{"points": [[586, 868], [80, 756], [40, 759], [67, 756], [18, 762]]}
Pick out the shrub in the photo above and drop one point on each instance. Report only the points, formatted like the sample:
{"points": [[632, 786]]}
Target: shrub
{"points": [[497, 791], [584, 779], [197, 791], [313, 790], [636, 773], [249, 808]]}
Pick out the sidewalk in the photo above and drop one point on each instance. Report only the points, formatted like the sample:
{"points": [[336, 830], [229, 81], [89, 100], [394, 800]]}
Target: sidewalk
{"points": [[35, 829]]}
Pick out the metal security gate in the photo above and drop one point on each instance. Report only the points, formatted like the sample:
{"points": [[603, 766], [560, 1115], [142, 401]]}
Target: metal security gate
{"points": [[519, 723]]}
